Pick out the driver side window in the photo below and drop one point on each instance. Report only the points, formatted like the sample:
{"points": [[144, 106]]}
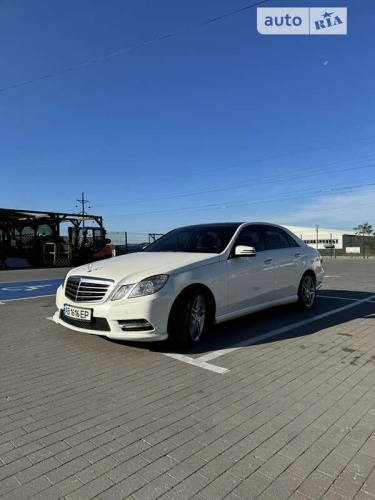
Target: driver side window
{"points": [[251, 237]]}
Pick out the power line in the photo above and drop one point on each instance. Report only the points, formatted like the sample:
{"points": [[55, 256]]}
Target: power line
{"points": [[233, 204], [261, 160], [258, 182], [332, 209], [133, 47], [267, 180], [347, 165]]}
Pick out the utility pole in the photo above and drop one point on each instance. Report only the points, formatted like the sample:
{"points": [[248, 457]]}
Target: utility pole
{"points": [[83, 202], [363, 244]]}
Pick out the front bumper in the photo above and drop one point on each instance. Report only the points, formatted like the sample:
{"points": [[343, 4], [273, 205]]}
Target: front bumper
{"points": [[143, 319]]}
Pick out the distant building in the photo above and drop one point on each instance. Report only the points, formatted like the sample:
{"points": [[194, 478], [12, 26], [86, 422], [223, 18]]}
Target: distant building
{"points": [[325, 240]]}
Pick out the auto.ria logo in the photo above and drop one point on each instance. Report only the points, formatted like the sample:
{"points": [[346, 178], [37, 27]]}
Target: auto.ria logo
{"points": [[302, 20]]}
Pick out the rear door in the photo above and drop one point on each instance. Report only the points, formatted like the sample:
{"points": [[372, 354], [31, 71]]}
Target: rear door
{"points": [[287, 260]]}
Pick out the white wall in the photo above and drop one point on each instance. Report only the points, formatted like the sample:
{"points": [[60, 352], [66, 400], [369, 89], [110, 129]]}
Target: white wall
{"points": [[324, 236]]}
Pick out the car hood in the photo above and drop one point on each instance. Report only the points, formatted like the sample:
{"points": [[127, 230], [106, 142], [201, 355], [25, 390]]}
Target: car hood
{"points": [[134, 267]]}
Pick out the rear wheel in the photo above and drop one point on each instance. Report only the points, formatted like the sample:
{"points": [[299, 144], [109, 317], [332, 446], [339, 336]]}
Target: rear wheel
{"points": [[188, 319], [307, 292]]}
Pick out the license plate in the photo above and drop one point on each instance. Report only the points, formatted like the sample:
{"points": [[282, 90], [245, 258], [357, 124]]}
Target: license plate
{"points": [[77, 313]]}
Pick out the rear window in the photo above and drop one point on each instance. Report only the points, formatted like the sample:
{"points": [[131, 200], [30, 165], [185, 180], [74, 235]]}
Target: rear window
{"points": [[277, 238]]}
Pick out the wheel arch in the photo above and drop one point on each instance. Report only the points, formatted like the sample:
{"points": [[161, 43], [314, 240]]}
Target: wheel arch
{"points": [[208, 295], [309, 272], [310, 294]]}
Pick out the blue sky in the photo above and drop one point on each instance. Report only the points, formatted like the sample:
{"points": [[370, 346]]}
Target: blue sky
{"points": [[214, 123]]}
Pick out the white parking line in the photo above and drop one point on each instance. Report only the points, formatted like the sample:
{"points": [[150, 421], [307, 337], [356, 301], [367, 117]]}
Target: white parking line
{"points": [[202, 361], [336, 298], [197, 362], [5, 301]]}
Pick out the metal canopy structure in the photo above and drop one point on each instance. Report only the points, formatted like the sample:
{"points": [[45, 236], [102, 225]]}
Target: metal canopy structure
{"points": [[22, 231], [14, 219]]}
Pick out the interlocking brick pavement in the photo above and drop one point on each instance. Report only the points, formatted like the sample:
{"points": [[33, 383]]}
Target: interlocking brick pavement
{"points": [[82, 417]]}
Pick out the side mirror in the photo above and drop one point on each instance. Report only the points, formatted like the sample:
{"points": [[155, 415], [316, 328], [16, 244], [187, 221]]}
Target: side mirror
{"points": [[244, 251]]}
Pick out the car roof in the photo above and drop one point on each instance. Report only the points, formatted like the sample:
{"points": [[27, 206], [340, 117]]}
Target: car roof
{"points": [[227, 224], [213, 224]]}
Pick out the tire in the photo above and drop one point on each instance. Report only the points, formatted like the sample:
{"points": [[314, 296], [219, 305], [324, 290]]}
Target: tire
{"points": [[307, 292], [188, 319]]}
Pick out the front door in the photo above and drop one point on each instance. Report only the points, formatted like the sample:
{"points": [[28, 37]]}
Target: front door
{"points": [[250, 278]]}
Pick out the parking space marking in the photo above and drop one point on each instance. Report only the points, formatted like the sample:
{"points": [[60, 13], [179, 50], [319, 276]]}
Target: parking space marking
{"points": [[336, 298], [202, 361], [24, 298], [28, 289], [197, 362], [280, 331]]}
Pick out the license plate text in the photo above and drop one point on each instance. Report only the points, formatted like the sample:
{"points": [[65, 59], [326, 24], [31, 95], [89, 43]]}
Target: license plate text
{"points": [[77, 313]]}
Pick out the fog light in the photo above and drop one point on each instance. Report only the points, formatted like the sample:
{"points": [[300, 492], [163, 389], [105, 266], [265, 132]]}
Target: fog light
{"points": [[135, 325]]}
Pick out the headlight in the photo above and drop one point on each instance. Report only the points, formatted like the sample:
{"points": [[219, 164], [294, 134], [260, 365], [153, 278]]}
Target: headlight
{"points": [[147, 286], [121, 292]]}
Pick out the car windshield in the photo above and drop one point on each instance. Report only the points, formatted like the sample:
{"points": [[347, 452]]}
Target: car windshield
{"points": [[210, 238]]}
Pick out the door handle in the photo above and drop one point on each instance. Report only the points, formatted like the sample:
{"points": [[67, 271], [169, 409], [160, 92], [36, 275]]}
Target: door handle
{"points": [[297, 255], [268, 261]]}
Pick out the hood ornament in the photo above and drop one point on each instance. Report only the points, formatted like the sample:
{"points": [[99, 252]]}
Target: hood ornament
{"points": [[90, 267]]}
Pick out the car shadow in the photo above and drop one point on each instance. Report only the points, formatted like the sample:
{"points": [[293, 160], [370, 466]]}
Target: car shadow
{"points": [[331, 308]]}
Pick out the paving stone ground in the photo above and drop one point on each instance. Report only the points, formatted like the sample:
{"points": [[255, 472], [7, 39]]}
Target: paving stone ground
{"points": [[82, 417]]}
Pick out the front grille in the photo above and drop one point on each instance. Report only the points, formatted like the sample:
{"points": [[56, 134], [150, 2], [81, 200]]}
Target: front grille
{"points": [[97, 324], [82, 289]]}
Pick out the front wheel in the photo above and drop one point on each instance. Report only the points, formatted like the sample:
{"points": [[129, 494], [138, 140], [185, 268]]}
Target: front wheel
{"points": [[307, 292], [188, 319]]}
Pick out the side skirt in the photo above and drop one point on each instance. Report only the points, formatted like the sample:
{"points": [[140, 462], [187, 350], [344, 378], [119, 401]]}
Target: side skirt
{"points": [[250, 310]]}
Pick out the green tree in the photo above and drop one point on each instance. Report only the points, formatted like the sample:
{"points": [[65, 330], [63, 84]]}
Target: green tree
{"points": [[365, 230]]}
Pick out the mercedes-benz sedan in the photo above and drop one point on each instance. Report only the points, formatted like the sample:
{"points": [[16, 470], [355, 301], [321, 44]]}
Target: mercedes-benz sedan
{"points": [[189, 279]]}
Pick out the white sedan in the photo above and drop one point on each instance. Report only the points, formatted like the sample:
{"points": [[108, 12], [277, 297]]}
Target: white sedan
{"points": [[189, 279]]}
